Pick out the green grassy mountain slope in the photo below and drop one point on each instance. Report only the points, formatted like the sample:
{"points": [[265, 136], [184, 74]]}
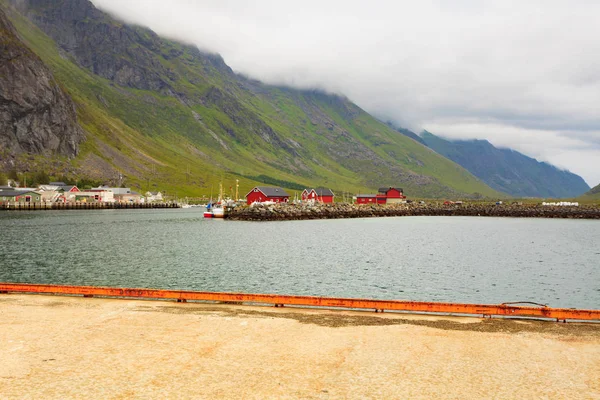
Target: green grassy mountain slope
{"points": [[593, 194], [166, 115], [507, 170]]}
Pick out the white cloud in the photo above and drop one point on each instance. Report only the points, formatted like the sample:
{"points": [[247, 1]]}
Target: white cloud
{"points": [[509, 65]]}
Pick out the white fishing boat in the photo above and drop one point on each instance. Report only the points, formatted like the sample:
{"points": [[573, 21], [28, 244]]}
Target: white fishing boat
{"points": [[220, 208], [218, 211], [209, 213]]}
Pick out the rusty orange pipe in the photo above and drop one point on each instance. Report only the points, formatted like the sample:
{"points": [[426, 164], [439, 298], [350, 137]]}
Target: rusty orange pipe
{"points": [[395, 305]]}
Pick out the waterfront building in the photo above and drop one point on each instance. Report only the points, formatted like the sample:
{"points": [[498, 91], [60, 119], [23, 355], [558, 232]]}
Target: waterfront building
{"points": [[366, 199], [261, 194], [58, 191], [391, 194], [61, 187], [154, 197], [122, 195], [20, 196], [321, 195], [385, 195], [96, 195]]}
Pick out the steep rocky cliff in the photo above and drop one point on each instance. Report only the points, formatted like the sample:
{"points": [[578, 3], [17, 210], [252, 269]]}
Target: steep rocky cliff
{"points": [[36, 116], [129, 55]]}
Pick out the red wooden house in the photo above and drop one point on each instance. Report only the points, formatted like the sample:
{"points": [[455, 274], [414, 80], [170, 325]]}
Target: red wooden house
{"points": [[321, 195], [63, 187], [260, 194], [392, 194], [68, 192], [385, 195], [305, 194], [366, 199]]}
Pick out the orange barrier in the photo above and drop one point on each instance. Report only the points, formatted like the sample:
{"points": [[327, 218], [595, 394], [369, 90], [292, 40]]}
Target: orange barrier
{"points": [[280, 300]]}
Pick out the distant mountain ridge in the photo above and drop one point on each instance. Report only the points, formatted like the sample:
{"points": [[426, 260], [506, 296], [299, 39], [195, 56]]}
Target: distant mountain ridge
{"points": [[508, 170], [407, 133], [161, 113]]}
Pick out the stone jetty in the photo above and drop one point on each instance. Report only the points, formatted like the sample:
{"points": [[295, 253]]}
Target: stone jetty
{"points": [[287, 212]]}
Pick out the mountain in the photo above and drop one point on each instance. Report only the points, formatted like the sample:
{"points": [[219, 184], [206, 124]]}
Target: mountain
{"points": [[36, 116], [406, 132], [164, 114], [508, 170], [593, 194]]}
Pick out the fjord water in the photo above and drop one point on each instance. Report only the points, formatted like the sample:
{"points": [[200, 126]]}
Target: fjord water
{"points": [[461, 259]]}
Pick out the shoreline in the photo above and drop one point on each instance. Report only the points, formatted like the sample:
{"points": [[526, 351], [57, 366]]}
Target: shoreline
{"points": [[6, 206], [290, 212]]}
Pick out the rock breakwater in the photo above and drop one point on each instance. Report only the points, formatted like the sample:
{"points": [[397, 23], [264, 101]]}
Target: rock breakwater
{"points": [[288, 212]]}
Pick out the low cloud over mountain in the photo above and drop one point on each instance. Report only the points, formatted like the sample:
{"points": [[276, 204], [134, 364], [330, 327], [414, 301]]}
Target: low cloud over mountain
{"points": [[524, 75]]}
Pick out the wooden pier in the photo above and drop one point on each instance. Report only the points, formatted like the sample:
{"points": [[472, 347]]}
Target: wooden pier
{"points": [[20, 206]]}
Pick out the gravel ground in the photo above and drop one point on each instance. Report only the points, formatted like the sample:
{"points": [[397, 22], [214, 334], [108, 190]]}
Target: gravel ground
{"points": [[55, 347]]}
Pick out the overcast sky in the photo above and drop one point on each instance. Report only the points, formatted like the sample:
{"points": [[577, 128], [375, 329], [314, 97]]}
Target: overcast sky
{"points": [[524, 75]]}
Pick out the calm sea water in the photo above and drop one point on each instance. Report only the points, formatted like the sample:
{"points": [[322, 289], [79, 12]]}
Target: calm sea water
{"points": [[462, 259]]}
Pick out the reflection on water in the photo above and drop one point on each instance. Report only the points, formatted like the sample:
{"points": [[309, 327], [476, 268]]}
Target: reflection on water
{"points": [[464, 259]]}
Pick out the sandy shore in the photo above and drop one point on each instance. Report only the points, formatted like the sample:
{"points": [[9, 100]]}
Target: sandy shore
{"points": [[55, 347]]}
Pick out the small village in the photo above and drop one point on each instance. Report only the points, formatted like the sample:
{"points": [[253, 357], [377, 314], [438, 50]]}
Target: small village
{"points": [[59, 195], [60, 192]]}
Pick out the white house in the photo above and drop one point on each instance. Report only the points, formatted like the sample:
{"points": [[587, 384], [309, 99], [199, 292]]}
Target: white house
{"points": [[123, 195], [99, 195], [152, 197]]}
